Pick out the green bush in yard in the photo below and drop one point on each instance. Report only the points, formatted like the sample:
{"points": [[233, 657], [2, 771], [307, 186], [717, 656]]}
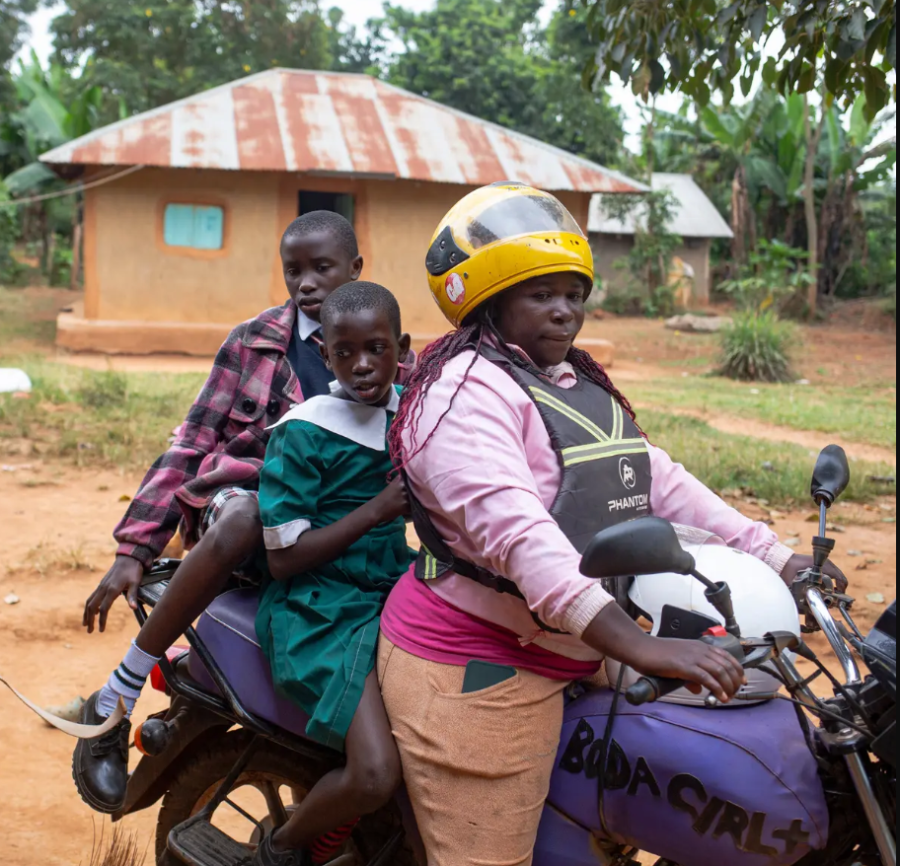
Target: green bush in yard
{"points": [[10, 270], [756, 348]]}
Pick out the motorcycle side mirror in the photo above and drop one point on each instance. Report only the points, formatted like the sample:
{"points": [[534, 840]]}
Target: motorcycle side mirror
{"points": [[831, 476], [645, 546]]}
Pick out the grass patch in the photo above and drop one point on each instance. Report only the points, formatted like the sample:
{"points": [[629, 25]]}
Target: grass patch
{"points": [[694, 363], [95, 418], [26, 316], [863, 414], [125, 419], [725, 462], [46, 558]]}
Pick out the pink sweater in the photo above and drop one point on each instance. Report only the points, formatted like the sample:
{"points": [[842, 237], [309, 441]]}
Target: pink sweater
{"points": [[488, 477]]}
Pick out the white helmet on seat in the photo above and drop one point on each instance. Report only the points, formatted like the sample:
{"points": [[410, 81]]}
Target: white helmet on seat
{"points": [[762, 603]]}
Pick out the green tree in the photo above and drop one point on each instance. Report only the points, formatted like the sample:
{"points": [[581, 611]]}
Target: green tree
{"points": [[576, 115], [353, 50], [13, 26], [702, 46], [162, 50], [473, 55], [839, 49], [40, 119], [851, 166], [873, 269], [9, 232], [650, 259], [490, 58]]}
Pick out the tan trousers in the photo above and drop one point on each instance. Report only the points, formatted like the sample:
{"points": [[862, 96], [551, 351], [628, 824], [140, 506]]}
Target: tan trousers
{"points": [[477, 766]]}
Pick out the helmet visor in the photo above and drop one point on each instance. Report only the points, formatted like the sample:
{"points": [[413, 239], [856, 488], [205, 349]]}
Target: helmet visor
{"points": [[520, 215]]}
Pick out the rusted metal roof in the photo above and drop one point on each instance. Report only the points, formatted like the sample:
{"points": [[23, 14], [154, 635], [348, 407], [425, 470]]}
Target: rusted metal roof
{"points": [[334, 124], [693, 214]]}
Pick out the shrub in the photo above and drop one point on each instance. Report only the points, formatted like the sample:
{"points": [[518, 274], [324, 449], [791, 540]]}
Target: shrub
{"points": [[61, 266], [11, 272], [889, 304], [634, 299], [774, 276], [755, 348]]}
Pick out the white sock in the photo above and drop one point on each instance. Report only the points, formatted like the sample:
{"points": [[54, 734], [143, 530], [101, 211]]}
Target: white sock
{"points": [[126, 681]]}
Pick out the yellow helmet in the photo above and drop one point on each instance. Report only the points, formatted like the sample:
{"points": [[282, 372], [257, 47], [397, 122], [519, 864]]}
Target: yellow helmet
{"points": [[497, 237]]}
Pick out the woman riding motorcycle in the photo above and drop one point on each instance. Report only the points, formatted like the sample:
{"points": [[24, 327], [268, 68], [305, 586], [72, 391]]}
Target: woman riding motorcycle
{"points": [[517, 448]]}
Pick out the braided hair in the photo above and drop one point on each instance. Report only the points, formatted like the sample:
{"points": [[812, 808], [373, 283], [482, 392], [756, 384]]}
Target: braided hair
{"points": [[438, 354]]}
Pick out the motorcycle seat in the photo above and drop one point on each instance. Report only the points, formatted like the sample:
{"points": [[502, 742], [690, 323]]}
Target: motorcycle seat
{"points": [[228, 629]]}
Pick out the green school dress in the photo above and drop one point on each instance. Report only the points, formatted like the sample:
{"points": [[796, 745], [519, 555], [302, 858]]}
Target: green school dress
{"points": [[319, 629]]}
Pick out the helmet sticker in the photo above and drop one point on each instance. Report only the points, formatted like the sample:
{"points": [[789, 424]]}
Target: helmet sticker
{"points": [[455, 289]]}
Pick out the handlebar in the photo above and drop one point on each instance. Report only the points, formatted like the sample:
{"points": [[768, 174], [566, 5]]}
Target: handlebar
{"points": [[649, 689], [822, 615]]}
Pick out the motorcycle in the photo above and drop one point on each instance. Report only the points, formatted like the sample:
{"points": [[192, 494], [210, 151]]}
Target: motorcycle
{"points": [[639, 769]]}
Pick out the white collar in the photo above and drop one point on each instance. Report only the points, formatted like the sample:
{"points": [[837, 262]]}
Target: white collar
{"points": [[306, 327], [365, 425]]}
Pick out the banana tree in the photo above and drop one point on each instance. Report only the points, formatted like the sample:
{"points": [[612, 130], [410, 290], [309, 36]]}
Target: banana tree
{"points": [[852, 163], [735, 131], [46, 117], [44, 120]]}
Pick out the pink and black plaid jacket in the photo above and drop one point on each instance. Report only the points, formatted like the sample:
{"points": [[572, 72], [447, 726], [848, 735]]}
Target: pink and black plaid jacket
{"points": [[222, 443]]}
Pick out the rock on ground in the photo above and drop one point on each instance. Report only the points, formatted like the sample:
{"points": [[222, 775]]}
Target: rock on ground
{"points": [[692, 324]]}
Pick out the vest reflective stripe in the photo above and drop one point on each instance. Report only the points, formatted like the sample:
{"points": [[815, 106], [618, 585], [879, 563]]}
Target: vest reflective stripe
{"points": [[618, 449], [541, 396], [431, 564], [618, 420], [588, 428], [607, 444]]}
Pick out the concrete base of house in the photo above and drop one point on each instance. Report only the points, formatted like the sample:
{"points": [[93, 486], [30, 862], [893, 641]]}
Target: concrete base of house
{"points": [[78, 334], [75, 333]]}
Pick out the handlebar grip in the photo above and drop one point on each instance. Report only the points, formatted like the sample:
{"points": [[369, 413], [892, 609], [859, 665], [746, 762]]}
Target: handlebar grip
{"points": [[649, 689]]}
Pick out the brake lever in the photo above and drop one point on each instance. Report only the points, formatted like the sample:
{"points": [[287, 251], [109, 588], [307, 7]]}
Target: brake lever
{"points": [[758, 657]]}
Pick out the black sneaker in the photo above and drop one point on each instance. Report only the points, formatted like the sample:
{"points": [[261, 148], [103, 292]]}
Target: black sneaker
{"points": [[266, 855], [100, 766]]}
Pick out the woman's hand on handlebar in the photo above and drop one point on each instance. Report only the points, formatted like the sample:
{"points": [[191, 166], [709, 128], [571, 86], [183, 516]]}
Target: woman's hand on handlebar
{"points": [[800, 562], [617, 635], [124, 577], [700, 665]]}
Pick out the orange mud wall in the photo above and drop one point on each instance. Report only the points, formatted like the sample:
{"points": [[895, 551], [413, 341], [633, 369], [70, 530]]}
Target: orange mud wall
{"points": [[143, 297]]}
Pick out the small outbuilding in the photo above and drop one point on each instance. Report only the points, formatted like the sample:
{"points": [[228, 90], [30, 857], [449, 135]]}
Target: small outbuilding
{"points": [[695, 219], [184, 206]]}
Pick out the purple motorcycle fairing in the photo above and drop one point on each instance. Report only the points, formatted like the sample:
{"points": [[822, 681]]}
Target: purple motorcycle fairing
{"points": [[699, 787], [228, 628]]}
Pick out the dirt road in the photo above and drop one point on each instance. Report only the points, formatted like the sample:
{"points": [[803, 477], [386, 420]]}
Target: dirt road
{"points": [[55, 528]]}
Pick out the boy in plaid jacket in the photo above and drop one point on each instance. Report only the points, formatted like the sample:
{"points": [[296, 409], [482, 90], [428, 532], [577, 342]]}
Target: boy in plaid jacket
{"points": [[207, 482]]}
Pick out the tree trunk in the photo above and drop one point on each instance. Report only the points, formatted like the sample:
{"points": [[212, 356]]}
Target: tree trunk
{"points": [[813, 140], [651, 140], [46, 245], [739, 218], [790, 230]]}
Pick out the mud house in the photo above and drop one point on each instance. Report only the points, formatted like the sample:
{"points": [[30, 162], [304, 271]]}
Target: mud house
{"points": [[695, 219], [185, 205]]}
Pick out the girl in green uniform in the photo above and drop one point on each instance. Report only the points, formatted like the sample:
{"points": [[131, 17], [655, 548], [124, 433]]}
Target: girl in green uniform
{"points": [[336, 542]]}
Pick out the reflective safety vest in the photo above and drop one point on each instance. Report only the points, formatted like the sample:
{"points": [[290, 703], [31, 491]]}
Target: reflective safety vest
{"points": [[605, 468]]}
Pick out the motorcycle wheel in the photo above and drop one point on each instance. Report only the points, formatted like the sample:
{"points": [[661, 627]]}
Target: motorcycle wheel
{"points": [[271, 770]]}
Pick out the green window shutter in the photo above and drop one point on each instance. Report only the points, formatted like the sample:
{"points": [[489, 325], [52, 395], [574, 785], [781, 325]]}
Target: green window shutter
{"points": [[209, 224], [199, 227]]}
